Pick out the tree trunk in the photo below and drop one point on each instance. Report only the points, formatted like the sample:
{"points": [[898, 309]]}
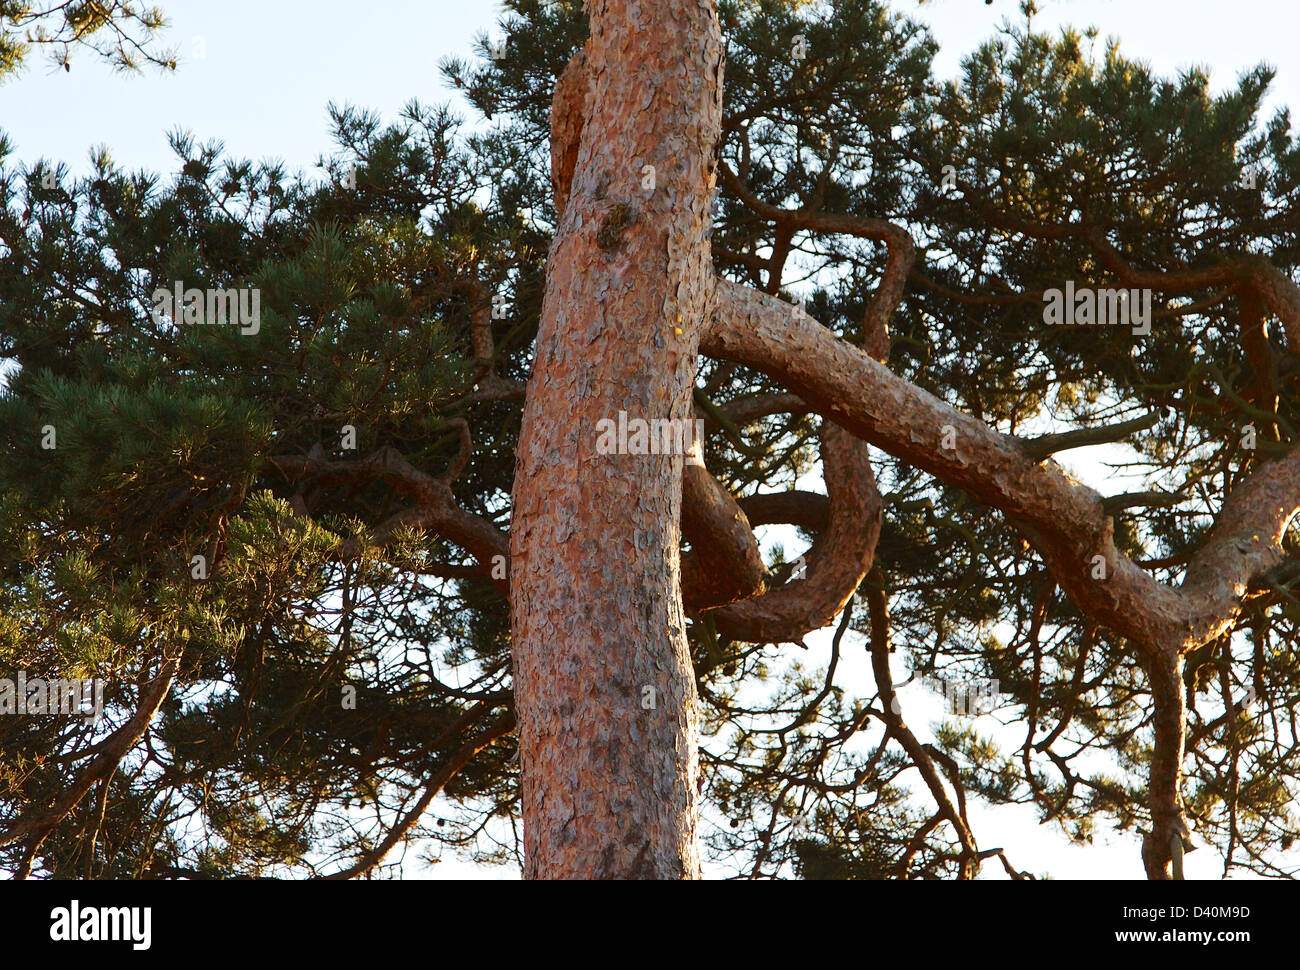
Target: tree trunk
{"points": [[604, 686], [1168, 827]]}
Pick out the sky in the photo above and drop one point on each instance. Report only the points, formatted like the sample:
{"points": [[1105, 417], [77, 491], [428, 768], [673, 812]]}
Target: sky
{"points": [[258, 77]]}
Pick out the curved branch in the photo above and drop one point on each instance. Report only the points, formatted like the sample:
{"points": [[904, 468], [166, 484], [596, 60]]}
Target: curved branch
{"points": [[1064, 519], [724, 564], [899, 259], [838, 560], [1067, 522], [435, 509]]}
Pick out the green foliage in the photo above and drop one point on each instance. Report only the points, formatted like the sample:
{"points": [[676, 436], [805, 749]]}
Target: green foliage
{"points": [[340, 652], [120, 32]]}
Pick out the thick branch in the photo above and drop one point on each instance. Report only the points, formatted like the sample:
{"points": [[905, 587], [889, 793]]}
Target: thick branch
{"points": [[1277, 291], [836, 563], [1245, 542], [435, 509], [807, 510], [1165, 798], [724, 564], [569, 112], [1066, 520]]}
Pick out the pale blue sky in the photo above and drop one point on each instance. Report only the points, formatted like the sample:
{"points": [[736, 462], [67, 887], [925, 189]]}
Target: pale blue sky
{"points": [[267, 70], [258, 76]]}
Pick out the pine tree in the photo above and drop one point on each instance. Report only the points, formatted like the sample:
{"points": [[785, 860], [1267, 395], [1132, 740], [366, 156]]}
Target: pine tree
{"points": [[121, 33], [288, 553]]}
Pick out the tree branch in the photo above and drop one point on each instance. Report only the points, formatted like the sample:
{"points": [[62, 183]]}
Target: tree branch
{"points": [[37, 827], [838, 560], [501, 726]]}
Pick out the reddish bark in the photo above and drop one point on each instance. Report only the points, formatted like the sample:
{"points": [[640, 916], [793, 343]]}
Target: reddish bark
{"points": [[1067, 522], [608, 786], [604, 684]]}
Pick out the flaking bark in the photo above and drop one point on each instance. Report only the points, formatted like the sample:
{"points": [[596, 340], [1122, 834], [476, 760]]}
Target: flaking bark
{"points": [[604, 684]]}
